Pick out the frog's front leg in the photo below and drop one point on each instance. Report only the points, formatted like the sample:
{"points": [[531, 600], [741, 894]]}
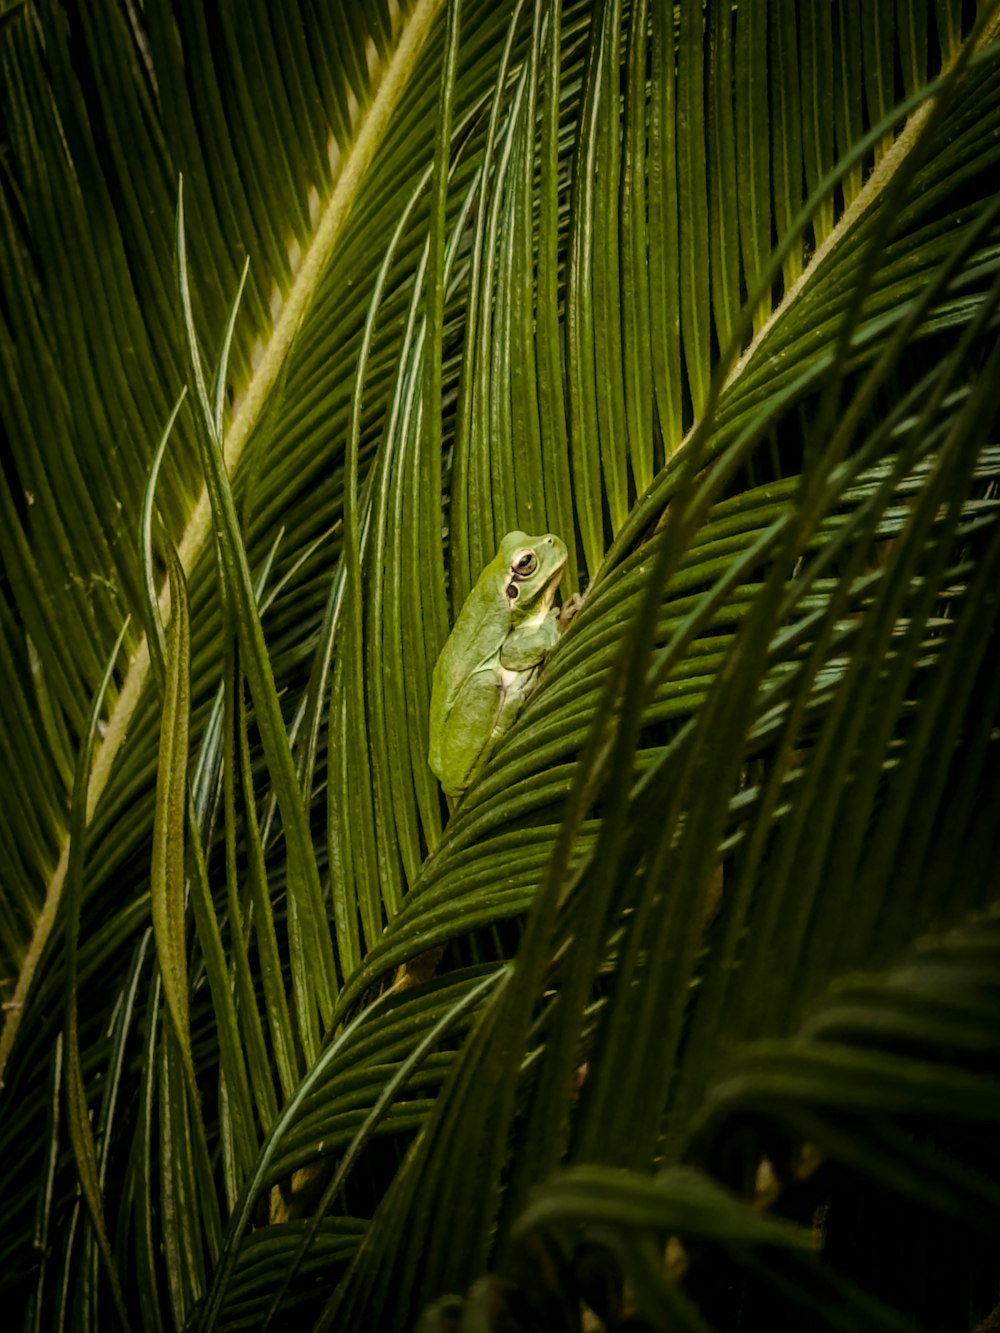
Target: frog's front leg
{"points": [[568, 610], [522, 655], [526, 647]]}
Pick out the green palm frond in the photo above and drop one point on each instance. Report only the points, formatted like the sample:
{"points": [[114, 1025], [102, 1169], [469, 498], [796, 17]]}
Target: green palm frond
{"points": [[891, 1084], [710, 291]]}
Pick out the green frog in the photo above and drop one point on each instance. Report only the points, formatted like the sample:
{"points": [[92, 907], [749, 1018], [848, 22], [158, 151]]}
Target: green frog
{"points": [[507, 627]]}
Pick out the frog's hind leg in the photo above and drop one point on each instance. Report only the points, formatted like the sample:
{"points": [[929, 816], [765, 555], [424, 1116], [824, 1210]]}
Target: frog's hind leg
{"points": [[468, 733], [515, 687]]}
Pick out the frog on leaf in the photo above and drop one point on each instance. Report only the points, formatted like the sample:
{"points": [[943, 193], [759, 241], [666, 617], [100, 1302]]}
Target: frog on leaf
{"points": [[506, 628]]}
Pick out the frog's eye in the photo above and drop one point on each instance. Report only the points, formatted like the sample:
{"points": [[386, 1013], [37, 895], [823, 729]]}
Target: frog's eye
{"points": [[525, 564]]}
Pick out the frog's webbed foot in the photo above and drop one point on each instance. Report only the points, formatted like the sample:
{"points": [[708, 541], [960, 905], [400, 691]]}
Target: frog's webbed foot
{"points": [[569, 609]]}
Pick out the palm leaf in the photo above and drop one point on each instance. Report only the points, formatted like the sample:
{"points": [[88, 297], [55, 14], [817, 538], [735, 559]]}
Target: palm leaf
{"points": [[711, 294], [873, 1088]]}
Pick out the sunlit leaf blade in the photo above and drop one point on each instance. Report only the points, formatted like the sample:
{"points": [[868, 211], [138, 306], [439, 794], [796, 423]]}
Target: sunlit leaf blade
{"points": [[664, 266], [877, 22], [580, 320], [783, 46], [636, 336], [535, 497], [724, 191], [605, 268], [754, 140], [77, 1111], [250, 1028], [949, 24], [167, 873], [430, 558], [551, 397], [182, 1237], [692, 188], [44, 1204], [268, 952], [816, 76], [145, 1238]]}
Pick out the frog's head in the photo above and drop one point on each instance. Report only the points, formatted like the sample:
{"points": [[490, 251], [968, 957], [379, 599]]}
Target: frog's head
{"points": [[532, 568]]}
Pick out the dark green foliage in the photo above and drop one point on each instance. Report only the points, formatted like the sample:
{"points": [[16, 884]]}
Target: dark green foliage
{"points": [[686, 1013]]}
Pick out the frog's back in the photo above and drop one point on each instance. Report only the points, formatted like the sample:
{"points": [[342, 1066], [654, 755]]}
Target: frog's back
{"points": [[465, 687], [457, 744]]}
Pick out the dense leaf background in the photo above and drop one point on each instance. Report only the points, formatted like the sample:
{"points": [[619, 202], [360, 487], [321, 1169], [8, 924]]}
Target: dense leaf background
{"points": [[687, 1014]]}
